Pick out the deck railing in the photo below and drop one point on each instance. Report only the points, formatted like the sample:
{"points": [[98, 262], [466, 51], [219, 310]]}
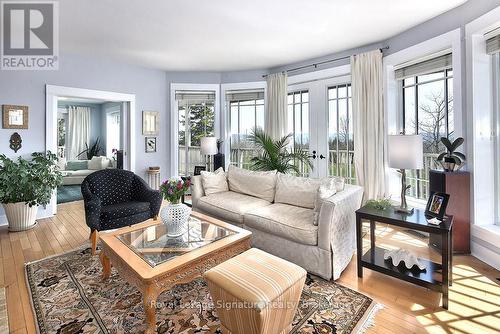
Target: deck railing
{"points": [[340, 164]]}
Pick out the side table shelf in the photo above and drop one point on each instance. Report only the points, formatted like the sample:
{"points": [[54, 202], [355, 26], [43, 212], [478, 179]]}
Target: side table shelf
{"points": [[436, 277]]}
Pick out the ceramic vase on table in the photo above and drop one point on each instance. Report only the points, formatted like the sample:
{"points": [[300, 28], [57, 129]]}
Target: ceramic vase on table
{"points": [[176, 217]]}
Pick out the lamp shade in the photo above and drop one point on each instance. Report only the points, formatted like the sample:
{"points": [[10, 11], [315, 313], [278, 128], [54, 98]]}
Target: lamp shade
{"points": [[208, 146], [406, 152]]}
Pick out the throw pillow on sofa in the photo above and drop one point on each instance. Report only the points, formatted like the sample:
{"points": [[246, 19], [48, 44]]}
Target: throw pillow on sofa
{"points": [[325, 191], [98, 163], [253, 183], [77, 164], [297, 191], [214, 182]]}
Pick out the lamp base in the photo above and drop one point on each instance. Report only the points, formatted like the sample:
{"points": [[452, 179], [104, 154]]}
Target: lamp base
{"points": [[406, 210]]}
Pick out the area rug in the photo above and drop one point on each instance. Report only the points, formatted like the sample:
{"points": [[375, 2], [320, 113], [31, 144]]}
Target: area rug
{"points": [[70, 193], [69, 296], [4, 319]]}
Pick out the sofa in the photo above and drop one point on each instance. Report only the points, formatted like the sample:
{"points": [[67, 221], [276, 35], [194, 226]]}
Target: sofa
{"points": [[310, 222], [75, 171]]}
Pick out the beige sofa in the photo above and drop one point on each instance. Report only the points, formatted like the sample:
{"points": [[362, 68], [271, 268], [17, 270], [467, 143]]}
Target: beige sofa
{"points": [[287, 216]]}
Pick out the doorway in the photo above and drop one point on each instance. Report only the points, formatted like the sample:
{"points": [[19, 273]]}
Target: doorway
{"points": [[89, 130], [320, 118]]}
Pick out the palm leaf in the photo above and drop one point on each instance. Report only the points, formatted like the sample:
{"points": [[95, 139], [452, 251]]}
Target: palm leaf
{"points": [[275, 154]]}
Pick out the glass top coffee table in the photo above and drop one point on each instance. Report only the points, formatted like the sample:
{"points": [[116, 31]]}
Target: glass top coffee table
{"points": [[154, 245], [147, 257]]}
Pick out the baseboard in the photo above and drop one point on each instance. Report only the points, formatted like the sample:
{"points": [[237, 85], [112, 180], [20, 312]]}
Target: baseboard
{"points": [[486, 255]]}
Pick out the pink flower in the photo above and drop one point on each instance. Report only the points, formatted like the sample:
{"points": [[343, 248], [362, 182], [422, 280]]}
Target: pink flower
{"points": [[170, 191], [179, 185]]}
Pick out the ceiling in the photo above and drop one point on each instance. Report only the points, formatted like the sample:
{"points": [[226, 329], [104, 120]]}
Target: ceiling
{"points": [[229, 35]]}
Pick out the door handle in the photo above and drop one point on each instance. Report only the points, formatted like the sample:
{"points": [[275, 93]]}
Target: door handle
{"points": [[314, 155], [321, 156]]}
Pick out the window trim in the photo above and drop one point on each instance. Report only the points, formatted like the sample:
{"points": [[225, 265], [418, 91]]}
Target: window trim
{"points": [[174, 118]]}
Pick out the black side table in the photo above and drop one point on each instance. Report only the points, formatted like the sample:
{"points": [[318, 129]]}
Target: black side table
{"points": [[374, 257]]}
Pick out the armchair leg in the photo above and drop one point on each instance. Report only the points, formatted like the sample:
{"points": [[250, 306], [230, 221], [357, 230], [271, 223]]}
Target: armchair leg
{"points": [[94, 237]]}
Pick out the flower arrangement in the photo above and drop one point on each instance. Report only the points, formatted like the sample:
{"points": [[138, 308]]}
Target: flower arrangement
{"points": [[173, 189]]}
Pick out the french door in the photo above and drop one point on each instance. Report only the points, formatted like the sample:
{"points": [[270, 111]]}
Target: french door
{"points": [[320, 118]]}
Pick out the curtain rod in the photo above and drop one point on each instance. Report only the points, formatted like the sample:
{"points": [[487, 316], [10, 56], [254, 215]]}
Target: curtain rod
{"points": [[315, 65]]}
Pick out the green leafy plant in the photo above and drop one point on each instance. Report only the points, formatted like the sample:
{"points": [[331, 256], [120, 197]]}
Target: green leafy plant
{"points": [[30, 181], [276, 154], [450, 158], [379, 204], [93, 151]]}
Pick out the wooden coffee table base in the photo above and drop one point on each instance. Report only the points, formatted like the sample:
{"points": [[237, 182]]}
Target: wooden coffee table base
{"points": [[185, 273]]}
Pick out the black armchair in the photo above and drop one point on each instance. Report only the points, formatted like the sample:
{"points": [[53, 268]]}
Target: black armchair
{"points": [[116, 198]]}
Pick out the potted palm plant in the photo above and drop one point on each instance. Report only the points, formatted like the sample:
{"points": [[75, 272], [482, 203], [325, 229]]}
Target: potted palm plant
{"points": [[451, 160], [277, 154], [25, 185]]}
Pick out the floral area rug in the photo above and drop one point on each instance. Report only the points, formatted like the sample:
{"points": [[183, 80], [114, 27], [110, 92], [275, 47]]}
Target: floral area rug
{"points": [[69, 297]]}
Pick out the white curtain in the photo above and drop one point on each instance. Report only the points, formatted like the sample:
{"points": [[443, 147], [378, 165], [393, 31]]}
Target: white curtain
{"points": [[79, 130], [276, 123], [369, 123]]}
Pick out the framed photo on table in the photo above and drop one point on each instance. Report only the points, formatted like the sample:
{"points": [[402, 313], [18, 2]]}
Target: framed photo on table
{"points": [[436, 205]]}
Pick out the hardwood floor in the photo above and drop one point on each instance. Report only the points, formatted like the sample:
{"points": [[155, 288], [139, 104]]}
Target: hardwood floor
{"points": [[474, 296]]}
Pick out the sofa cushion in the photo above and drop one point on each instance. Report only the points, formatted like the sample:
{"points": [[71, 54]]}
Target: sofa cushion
{"points": [[77, 164], [297, 191], [257, 184], [98, 163], [81, 172], [126, 209], [287, 221], [324, 192], [214, 182], [230, 205]]}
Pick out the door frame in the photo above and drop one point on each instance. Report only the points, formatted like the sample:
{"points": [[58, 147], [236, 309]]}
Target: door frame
{"points": [[53, 92], [317, 84], [174, 118]]}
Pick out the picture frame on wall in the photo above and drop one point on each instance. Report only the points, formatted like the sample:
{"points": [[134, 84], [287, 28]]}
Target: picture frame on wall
{"points": [[150, 144], [14, 117], [436, 205], [150, 123]]}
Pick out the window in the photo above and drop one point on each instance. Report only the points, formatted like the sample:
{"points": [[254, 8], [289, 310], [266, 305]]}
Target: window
{"points": [[298, 123], [246, 113], [196, 119], [112, 133], [427, 109], [340, 133]]}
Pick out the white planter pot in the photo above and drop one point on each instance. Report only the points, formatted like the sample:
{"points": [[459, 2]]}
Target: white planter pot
{"points": [[20, 216], [175, 216]]}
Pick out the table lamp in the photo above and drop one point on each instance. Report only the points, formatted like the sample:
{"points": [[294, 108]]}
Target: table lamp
{"points": [[208, 147], [405, 152]]}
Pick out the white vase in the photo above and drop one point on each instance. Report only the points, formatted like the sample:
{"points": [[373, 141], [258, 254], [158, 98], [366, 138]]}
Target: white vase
{"points": [[176, 217], [20, 216]]}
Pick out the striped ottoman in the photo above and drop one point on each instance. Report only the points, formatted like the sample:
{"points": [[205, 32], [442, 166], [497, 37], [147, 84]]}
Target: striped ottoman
{"points": [[256, 293]]}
